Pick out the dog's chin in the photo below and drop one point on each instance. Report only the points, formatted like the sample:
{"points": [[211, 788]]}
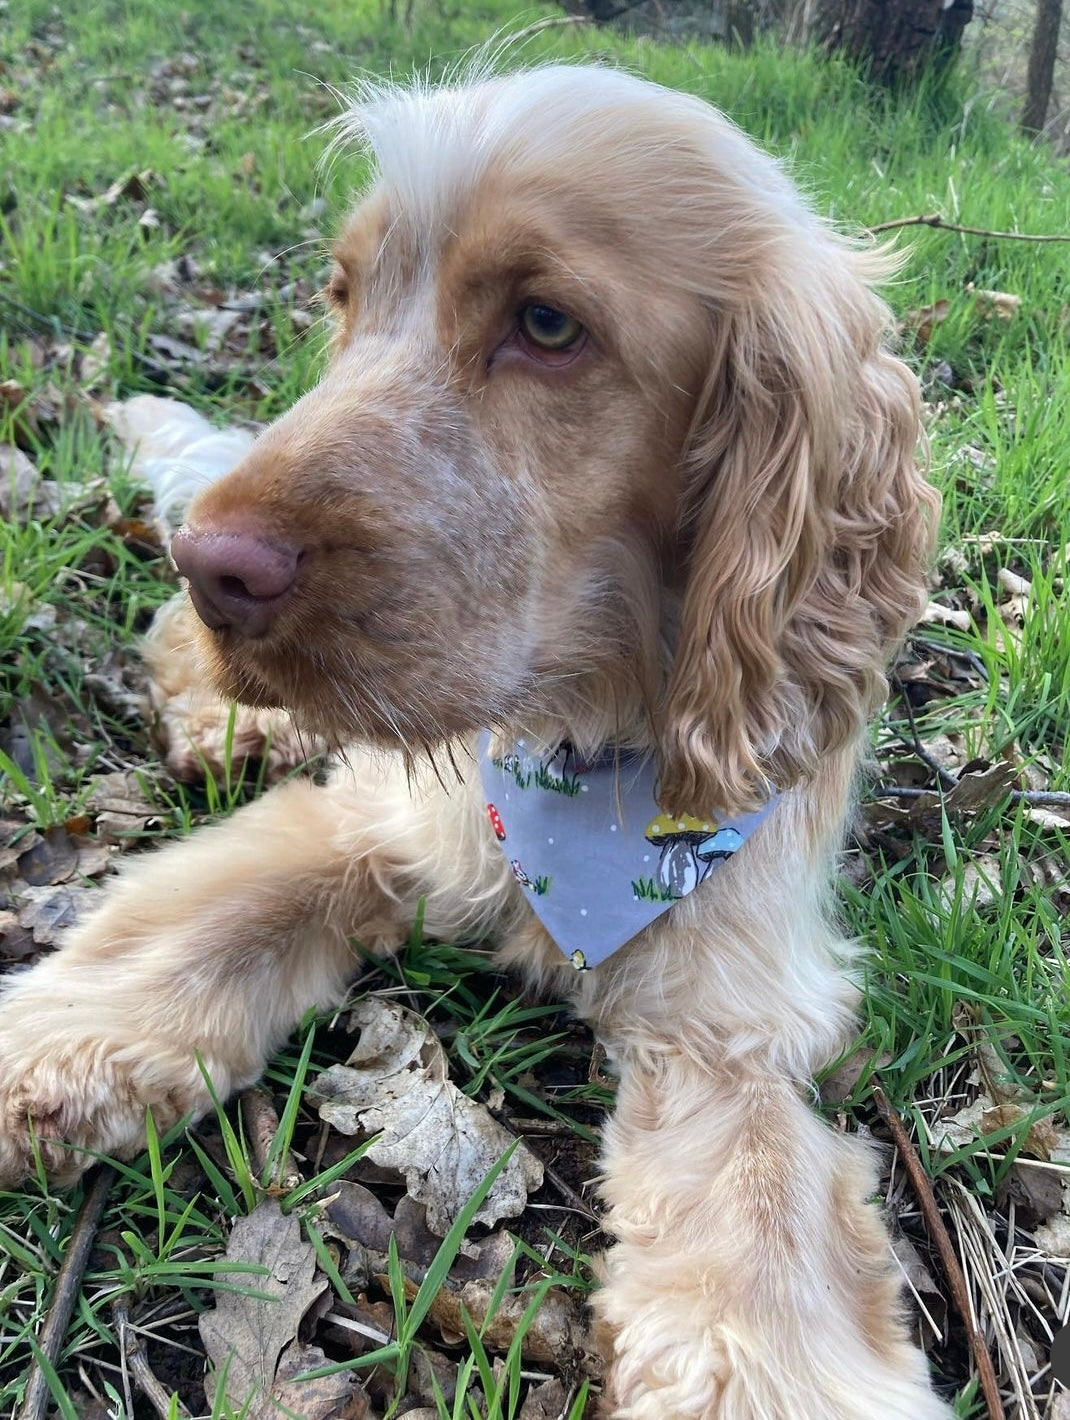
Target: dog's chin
{"points": [[249, 673]]}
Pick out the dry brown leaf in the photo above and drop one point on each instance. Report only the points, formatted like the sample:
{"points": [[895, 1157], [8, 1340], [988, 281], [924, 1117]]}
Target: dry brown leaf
{"points": [[25, 494], [47, 912], [12, 393], [998, 305], [396, 1084], [925, 319], [842, 1082], [979, 885], [337, 1397], [920, 1281], [947, 750], [52, 857], [545, 1402], [555, 1336], [954, 562], [1037, 1193], [978, 788], [1043, 1137], [1045, 818], [119, 806], [1013, 612], [252, 1339], [1060, 1406], [937, 615], [131, 187], [1053, 1237], [96, 360], [985, 1117], [356, 1217]]}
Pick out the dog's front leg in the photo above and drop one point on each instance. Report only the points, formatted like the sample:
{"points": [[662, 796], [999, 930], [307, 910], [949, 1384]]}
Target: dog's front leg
{"points": [[212, 948], [751, 1280]]}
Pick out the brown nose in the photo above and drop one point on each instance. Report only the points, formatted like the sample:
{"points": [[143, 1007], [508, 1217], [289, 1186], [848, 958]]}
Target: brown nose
{"points": [[237, 579]]}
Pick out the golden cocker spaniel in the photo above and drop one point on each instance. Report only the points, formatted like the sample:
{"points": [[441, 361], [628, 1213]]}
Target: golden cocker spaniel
{"points": [[610, 461]]}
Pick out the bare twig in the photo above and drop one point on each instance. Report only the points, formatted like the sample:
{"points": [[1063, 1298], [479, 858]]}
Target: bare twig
{"points": [[65, 1294], [1032, 798], [132, 1352], [575, 1200], [914, 744], [955, 653], [933, 219], [938, 1232], [261, 1128]]}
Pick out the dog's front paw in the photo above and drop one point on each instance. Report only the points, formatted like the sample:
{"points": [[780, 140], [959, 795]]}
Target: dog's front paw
{"points": [[68, 1100], [684, 1345]]}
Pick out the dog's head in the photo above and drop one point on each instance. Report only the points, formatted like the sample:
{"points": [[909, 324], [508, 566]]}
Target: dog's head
{"points": [[607, 438]]}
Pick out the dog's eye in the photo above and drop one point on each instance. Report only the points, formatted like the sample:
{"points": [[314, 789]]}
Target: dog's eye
{"points": [[337, 292], [549, 328]]}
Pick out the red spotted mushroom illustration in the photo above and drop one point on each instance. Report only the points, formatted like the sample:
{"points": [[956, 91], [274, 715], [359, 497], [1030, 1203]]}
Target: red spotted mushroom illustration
{"points": [[496, 823]]}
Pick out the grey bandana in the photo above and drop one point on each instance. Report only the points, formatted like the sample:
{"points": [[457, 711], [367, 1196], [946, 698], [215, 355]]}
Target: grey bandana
{"points": [[598, 859]]}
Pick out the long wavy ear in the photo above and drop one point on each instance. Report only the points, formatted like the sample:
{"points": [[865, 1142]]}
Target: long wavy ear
{"points": [[806, 535]]}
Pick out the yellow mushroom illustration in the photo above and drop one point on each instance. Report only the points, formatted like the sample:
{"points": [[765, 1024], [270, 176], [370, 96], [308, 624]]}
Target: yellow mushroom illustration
{"points": [[689, 846]]}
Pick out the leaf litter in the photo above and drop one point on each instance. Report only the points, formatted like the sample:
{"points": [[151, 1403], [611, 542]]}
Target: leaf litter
{"points": [[251, 1336], [396, 1086]]}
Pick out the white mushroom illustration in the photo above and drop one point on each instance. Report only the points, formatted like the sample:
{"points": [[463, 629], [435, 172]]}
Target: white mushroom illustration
{"points": [[679, 837]]}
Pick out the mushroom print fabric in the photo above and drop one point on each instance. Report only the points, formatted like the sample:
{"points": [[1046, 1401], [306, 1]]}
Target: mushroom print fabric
{"points": [[596, 857]]}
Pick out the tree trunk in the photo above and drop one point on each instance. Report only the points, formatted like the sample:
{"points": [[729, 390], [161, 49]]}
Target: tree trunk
{"points": [[895, 39], [1041, 64]]}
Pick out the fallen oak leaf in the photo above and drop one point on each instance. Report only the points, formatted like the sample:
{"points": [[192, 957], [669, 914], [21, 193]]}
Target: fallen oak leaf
{"points": [[131, 187], [335, 1397], [1012, 584], [923, 320], [919, 1280], [1038, 1137], [25, 494], [251, 1336], [356, 1218], [47, 912], [120, 807], [1036, 1191], [551, 1333], [547, 1401], [396, 1084], [16, 943], [1001, 305], [1044, 818], [51, 858], [979, 788]]}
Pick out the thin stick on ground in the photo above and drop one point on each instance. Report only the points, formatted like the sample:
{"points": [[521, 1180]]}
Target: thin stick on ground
{"points": [[65, 1296], [938, 1232], [1032, 798], [933, 219], [261, 1127], [913, 740], [132, 1351], [575, 1200]]}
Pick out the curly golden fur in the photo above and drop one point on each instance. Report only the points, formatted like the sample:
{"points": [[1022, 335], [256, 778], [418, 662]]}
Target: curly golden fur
{"points": [[696, 527]]}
